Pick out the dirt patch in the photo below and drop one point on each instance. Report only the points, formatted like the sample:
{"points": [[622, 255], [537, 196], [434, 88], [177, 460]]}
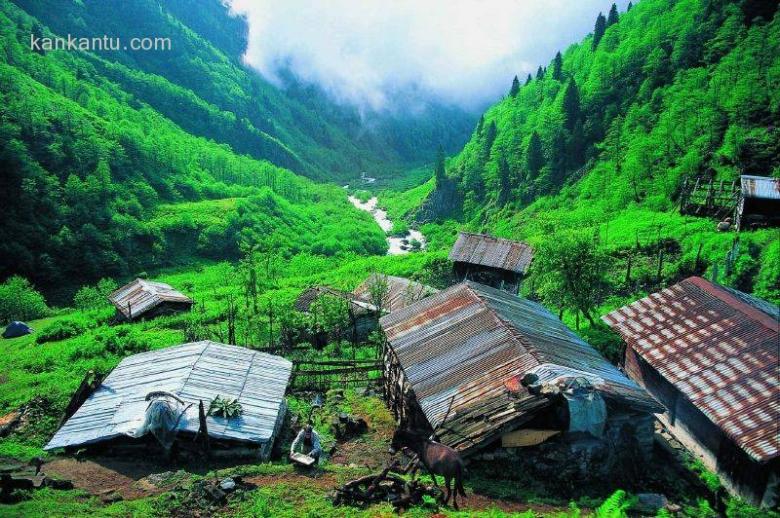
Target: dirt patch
{"points": [[324, 481], [107, 476]]}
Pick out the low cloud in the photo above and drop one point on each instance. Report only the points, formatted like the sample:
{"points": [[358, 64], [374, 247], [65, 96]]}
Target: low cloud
{"points": [[374, 54]]}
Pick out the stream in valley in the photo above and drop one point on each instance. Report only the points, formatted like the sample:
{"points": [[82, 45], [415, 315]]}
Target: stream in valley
{"points": [[396, 245]]}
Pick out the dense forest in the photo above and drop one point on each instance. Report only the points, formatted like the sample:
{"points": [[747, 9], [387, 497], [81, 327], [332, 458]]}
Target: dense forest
{"points": [[601, 140]]}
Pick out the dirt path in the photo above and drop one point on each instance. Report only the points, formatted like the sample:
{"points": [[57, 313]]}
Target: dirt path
{"points": [[105, 477]]}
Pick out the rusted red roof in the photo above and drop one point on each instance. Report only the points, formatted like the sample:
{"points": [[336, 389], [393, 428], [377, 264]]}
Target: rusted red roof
{"points": [[398, 292], [719, 347], [139, 296], [494, 252], [470, 344]]}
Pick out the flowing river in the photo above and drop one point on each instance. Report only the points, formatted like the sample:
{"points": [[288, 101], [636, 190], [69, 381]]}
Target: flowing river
{"points": [[395, 245]]}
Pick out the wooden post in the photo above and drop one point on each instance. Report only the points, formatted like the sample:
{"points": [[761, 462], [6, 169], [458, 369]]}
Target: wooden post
{"points": [[203, 431], [628, 268], [660, 265]]}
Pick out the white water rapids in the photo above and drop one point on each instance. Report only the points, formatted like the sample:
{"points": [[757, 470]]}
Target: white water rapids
{"points": [[395, 245]]}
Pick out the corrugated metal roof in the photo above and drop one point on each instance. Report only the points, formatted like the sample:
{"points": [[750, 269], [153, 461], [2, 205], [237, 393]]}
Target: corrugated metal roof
{"points": [[471, 342], [494, 252], [760, 187], [193, 371], [400, 291], [719, 347], [310, 295], [139, 296]]}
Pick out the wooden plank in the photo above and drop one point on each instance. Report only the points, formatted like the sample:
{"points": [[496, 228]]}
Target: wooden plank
{"points": [[526, 437]]}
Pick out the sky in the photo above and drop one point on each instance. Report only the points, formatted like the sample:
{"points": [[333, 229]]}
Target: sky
{"points": [[377, 54]]}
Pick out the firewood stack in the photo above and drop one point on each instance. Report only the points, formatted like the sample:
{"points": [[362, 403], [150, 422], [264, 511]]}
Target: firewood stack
{"points": [[384, 487]]}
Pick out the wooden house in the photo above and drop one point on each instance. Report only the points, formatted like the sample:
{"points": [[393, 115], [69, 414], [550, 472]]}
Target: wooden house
{"points": [[759, 202], [147, 299], [497, 262], [115, 413], [710, 355], [362, 316], [492, 374], [391, 293]]}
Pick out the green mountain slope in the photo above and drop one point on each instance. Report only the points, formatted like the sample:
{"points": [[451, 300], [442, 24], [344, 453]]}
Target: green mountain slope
{"points": [[201, 85], [86, 166], [603, 138]]}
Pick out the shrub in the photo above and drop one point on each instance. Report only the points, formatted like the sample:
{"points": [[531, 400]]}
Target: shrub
{"points": [[122, 341], [60, 330], [94, 297], [20, 301]]}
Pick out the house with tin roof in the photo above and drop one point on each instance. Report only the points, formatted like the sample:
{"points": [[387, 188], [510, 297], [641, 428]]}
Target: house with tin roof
{"points": [[489, 371], [711, 355], [147, 299], [494, 261], [180, 378]]}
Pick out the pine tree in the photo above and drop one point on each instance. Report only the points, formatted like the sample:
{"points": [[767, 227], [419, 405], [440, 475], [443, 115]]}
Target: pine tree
{"points": [[598, 30], [515, 87], [534, 156], [630, 5], [504, 182], [439, 172], [528, 79], [571, 105], [557, 73], [490, 137], [612, 17], [539, 73], [480, 125]]}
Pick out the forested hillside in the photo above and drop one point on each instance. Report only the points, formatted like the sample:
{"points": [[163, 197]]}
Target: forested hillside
{"points": [[87, 164], [601, 140], [201, 85]]}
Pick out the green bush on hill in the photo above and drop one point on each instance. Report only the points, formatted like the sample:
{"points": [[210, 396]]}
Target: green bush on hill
{"points": [[20, 301]]}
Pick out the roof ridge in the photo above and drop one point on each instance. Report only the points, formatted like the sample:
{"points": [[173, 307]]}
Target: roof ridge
{"points": [[720, 292], [515, 333]]}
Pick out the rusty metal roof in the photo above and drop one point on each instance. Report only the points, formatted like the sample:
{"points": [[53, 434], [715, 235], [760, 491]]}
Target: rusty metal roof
{"points": [[308, 296], [194, 372], [471, 343], [494, 252], [763, 187], [139, 296], [399, 291], [719, 347]]}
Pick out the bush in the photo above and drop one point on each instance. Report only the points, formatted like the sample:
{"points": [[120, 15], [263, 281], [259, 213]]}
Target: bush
{"points": [[60, 330], [122, 341], [94, 297], [20, 301]]}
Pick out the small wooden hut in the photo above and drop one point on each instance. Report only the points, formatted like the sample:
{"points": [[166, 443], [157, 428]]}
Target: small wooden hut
{"points": [[147, 299], [391, 293], [759, 202], [363, 316], [493, 261], [710, 355]]}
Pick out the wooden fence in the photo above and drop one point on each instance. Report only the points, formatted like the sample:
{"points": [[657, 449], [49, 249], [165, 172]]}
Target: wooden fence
{"points": [[323, 375]]}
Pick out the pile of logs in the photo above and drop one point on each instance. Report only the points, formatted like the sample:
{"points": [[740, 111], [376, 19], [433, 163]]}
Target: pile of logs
{"points": [[385, 487]]}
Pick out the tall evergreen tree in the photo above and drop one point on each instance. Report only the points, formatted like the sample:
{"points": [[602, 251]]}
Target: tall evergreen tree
{"points": [[490, 137], [504, 182], [439, 172], [629, 6], [534, 156], [612, 17], [480, 125], [528, 79], [598, 30], [572, 111], [539, 72], [557, 73], [515, 87]]}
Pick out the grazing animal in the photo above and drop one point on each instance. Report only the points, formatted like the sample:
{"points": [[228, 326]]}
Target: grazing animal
{"points": [[437, 458]]}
